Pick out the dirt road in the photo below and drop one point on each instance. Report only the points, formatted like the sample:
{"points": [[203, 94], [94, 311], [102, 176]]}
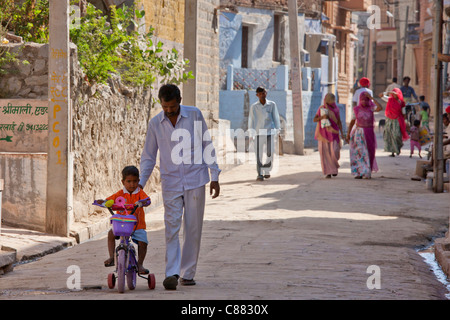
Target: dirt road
{"points": [[294, 236]]}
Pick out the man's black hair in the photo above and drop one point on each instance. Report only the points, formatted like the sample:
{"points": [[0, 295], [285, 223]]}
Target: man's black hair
{"points": [[169, 92], [130, 171], [422, 98], [260, 89], [394, 80], [416, 123], [406, 78]]}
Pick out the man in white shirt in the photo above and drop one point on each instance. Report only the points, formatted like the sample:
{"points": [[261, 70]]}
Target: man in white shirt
{"points": [[393, 85], [385, 95], [186, 153], [365, 84], [264, 124]]}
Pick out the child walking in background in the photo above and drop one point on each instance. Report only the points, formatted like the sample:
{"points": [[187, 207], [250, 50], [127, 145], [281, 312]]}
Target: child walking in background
{"points": [[415, 138], [424, 113], [132, 193]]}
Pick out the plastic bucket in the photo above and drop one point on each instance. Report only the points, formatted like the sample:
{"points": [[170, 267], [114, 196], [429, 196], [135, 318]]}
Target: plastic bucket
{"points": [[123, 226]]}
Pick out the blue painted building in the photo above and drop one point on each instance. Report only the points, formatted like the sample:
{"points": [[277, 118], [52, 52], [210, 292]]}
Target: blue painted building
{"points": [[254, 51]]}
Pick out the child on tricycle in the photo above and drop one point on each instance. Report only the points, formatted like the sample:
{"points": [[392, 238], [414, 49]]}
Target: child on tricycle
{"points": [[132, 193]]}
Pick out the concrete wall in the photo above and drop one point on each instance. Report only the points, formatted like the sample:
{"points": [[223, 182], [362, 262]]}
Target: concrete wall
{"points": [[24, 194]]}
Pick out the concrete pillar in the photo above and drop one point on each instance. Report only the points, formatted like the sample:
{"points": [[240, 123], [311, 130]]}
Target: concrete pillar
{"points": [[306, 79], [60, 162], [190, 51], [282, 78], [296, 76], [1, 190], [230, 77]]}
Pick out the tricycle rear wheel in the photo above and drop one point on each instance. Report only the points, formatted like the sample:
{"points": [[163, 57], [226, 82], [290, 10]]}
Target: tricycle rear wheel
{"points": [[151, 281], [111, 280]]}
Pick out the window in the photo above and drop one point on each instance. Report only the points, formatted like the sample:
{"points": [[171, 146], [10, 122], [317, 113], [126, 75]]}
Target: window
{"points": [[277, 38], [244, 55]]}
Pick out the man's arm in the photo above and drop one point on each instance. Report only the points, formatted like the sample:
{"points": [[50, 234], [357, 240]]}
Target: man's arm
{"points": [[446, 142], [252, 122], [276, 117], [211, 162], [414, 94], [148, 157], [443, 57]]}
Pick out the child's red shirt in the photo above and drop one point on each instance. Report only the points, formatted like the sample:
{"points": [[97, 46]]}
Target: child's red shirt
{"points": [[132, 199]]}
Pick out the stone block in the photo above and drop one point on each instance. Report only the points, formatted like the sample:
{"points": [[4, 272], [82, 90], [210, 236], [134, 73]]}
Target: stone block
{"points": [[37, 80], [40, 65], [442, 253], [14, 85], [7, 259]]}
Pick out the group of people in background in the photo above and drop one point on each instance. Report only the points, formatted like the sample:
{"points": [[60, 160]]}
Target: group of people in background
{"points": [[264, 122], [361, 134]]}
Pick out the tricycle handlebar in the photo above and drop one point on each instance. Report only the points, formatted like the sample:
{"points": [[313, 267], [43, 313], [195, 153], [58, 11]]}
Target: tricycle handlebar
{"points": [[119, 205]]}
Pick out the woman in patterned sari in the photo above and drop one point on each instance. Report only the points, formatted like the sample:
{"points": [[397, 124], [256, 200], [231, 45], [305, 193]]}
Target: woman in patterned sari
{"points": [[327, 133], [362, 139], [395, 129]]}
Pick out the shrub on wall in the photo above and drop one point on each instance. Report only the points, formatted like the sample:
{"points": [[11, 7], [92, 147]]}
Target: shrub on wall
{"points": [[28, 19], [107, 44], [114, 45]]}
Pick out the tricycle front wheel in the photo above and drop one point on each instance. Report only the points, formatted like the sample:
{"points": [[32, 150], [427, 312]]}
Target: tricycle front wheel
{"points": [[131, 278], [121, 270]]}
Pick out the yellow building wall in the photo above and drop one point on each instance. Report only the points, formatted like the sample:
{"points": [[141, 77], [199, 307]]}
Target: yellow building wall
{"points": [[166, 17]]}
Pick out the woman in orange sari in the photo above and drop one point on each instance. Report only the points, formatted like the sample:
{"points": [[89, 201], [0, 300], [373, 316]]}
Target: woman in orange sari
{"points": [[327, 134]]}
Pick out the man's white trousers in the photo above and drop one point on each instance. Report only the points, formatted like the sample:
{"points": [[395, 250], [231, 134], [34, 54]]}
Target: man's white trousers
{"points": [[183, 261]]}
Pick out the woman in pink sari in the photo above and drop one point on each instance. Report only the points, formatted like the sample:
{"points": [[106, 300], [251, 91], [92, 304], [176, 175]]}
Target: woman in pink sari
{"points": [[395, 128], [327, 133], [362, 139]]}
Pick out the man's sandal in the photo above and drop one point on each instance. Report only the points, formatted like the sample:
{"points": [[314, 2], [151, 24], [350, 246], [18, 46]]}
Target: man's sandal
{"points": [[186, 282]]}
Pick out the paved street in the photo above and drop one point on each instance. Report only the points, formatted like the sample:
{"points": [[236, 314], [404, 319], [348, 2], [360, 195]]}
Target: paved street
{"points": [[294, 236]]}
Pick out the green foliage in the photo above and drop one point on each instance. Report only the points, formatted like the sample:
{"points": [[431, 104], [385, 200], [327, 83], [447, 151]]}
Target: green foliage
{"points": [[28, 20], [6, 56], [115, 46]]}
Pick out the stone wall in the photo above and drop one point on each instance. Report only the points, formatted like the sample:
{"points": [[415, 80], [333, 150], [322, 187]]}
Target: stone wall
{"points": [[109, 129], [166, 17], [29, 79], [207, 76]]}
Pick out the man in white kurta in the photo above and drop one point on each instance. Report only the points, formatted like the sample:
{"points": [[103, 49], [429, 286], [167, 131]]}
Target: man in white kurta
{"points": [[264, 126], [186, 153]]}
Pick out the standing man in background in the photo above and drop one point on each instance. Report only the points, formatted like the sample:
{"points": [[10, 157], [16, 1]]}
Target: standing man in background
{"points": [[264, 124]]}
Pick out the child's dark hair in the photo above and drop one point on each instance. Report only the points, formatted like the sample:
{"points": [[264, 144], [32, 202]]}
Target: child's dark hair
{"points": [[416, 123], [422, 98], [130, 171], [260, 89], [168, 92]]}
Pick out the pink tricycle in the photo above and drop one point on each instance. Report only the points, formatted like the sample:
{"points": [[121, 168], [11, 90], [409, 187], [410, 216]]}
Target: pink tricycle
{"points": [[123, 227]]}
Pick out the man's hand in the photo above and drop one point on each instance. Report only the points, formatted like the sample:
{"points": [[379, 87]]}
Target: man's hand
{"points": [[216, 187]]}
